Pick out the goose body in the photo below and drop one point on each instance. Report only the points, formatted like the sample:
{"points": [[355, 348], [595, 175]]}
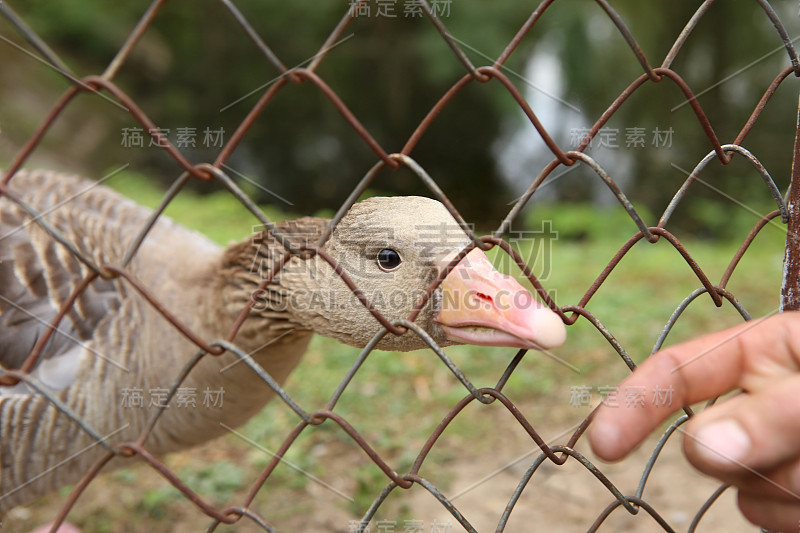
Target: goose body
{"points": [[113, 349]]}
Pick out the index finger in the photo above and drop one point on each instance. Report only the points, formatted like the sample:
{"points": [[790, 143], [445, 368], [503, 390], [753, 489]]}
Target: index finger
{"points": [[747, 356]]}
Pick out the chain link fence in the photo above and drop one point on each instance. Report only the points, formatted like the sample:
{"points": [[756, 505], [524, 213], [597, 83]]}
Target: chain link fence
{"points": [[557, 454]]}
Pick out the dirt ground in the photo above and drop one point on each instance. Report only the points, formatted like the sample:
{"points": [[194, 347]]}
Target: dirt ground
{"points": [[478, 475], [569, 498]]}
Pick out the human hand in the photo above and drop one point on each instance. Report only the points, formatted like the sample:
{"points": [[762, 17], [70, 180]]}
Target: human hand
{"points": [[750, 440]]}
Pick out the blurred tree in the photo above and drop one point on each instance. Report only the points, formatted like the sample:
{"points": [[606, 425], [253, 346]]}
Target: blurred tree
{"points": [[195, 68], [728, 61]]}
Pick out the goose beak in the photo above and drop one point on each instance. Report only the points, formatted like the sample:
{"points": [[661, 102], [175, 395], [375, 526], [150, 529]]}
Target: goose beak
{"points": [[484, 307]]}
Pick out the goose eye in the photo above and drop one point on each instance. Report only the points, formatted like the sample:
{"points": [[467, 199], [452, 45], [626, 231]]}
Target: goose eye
{"points": [[388, 259]]}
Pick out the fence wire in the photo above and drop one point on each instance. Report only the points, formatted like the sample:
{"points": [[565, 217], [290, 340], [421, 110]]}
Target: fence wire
{"points": [[556, 454]]}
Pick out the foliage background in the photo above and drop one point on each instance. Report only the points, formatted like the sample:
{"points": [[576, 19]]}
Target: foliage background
{"points": [[195, 62]]}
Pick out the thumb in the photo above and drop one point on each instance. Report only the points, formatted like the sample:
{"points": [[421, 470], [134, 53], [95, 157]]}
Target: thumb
{"points": [[754, 430]]}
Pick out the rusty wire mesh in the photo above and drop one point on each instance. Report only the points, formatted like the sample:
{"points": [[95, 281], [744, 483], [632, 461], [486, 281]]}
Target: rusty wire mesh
{"points": [[569, 312]]}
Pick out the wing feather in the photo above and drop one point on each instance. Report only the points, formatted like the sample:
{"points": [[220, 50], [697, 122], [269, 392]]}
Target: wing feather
{"points": [[38, 275]]}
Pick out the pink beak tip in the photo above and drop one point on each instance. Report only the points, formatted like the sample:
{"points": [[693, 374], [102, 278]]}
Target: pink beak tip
{"points": [[508, 315]]}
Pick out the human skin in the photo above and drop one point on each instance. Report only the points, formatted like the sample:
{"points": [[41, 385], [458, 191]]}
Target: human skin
{"points": [[750, 440]]}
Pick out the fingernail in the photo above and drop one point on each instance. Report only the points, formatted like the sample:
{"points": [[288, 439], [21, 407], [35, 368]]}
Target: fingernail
{"points": [[724, 443], [605, 440]]}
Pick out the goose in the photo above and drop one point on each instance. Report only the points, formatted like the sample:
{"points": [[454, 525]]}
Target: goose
{"points": [[113, 347]]}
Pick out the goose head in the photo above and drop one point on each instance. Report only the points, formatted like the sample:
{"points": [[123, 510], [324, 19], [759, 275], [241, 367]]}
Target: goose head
{"points": [[393, 248]]}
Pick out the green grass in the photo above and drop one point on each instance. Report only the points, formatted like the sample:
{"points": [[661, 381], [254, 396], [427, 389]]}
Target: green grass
{"points": [[218, 215]]}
